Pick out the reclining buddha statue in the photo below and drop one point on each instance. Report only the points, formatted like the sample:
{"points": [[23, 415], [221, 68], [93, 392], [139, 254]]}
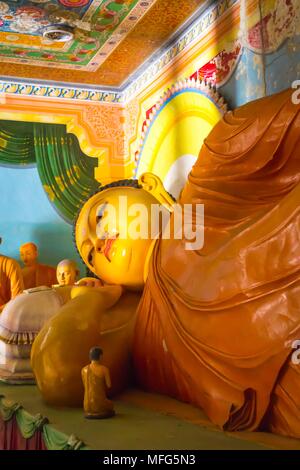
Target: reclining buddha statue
{"points": [[216, 325]]}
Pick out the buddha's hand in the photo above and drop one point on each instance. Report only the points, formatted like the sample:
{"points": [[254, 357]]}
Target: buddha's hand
{"points": [[89, 282]]}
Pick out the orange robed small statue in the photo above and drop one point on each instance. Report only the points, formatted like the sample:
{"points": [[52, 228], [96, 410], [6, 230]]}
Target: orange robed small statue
{"points": [[96, 381], [35, 274]]}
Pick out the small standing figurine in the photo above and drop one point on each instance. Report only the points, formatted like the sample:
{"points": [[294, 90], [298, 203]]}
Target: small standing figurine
{"points": [[96, 381]]}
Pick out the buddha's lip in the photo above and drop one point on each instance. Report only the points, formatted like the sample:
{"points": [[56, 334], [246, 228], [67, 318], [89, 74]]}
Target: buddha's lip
{"points": [[108, 246]]}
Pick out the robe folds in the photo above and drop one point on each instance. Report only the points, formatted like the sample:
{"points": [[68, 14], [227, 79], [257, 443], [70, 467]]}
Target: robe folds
{"points": [[216, 326], [11, 280]]}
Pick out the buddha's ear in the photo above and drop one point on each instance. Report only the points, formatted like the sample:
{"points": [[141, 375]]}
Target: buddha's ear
{"points": [[153, 185]]}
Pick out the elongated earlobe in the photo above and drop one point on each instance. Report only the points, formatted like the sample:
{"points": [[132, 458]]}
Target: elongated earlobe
{"points": [[153, 185]]}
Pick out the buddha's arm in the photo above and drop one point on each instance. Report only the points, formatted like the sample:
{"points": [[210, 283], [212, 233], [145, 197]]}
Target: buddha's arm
{"points": [[93, 317], [107, 296]]}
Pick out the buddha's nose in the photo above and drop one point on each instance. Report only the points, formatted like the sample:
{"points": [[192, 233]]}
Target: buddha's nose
{"points": [[99, 245]]}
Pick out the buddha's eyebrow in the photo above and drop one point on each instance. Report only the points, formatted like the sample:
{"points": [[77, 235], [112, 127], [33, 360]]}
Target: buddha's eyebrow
{"points": [[100, 211]]}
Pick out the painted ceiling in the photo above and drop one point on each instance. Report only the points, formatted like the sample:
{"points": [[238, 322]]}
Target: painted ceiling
{"points": [[111, 38]]}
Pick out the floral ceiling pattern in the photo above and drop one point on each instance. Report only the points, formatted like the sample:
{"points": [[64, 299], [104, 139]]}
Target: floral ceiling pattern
{"points": [[112, 38], [97, 26]]}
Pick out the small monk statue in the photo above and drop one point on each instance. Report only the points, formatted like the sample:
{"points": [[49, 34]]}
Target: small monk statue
{"points": [[96, 381], [35, 274], [67, 272]]}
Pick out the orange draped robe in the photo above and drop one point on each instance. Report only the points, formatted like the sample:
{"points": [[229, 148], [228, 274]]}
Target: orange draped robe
{"points": [[39, 275], [216, 326], [11, 281]]}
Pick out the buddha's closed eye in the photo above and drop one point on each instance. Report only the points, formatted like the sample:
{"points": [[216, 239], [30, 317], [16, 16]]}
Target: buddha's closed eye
{"points": [[90, 257], [100, 212]]}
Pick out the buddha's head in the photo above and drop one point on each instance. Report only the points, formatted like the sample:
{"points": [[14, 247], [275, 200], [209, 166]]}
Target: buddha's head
{"points": [[29, 254], [113, 229], [67, 272]]}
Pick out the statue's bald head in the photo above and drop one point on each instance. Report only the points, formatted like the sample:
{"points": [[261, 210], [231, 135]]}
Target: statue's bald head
{"points": [[29, 253], [68, 262], [67, 272]]}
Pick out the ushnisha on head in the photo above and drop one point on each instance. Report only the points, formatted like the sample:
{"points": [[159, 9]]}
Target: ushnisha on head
{"points": [[95, 354], [67, 272], [29, 254]]}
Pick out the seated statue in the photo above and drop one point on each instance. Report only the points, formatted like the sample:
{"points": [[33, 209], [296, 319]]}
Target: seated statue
{"points": [[216, 325], [35, 274], [24, 316], [11, 280], [96, 382]]}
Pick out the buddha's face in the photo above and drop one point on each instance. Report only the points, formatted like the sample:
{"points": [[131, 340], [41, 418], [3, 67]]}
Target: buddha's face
{"points": [[107, 239], [29, 255], [66, 274]]}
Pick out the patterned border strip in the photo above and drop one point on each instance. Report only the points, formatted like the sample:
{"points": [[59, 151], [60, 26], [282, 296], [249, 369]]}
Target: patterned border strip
{"points": [[53, 91], [116, 95]]}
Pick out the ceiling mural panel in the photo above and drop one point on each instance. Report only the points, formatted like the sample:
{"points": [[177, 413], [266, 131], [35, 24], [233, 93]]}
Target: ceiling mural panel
{"points": [[72, 34], [111, 39]]}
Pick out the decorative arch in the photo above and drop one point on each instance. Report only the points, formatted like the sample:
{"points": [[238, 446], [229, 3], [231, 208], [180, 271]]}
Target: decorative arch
{"points": [[174, 132], [82, 120]]}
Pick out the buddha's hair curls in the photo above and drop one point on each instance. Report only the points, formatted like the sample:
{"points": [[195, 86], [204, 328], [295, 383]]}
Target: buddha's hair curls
{"points": [[129, 183]]}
